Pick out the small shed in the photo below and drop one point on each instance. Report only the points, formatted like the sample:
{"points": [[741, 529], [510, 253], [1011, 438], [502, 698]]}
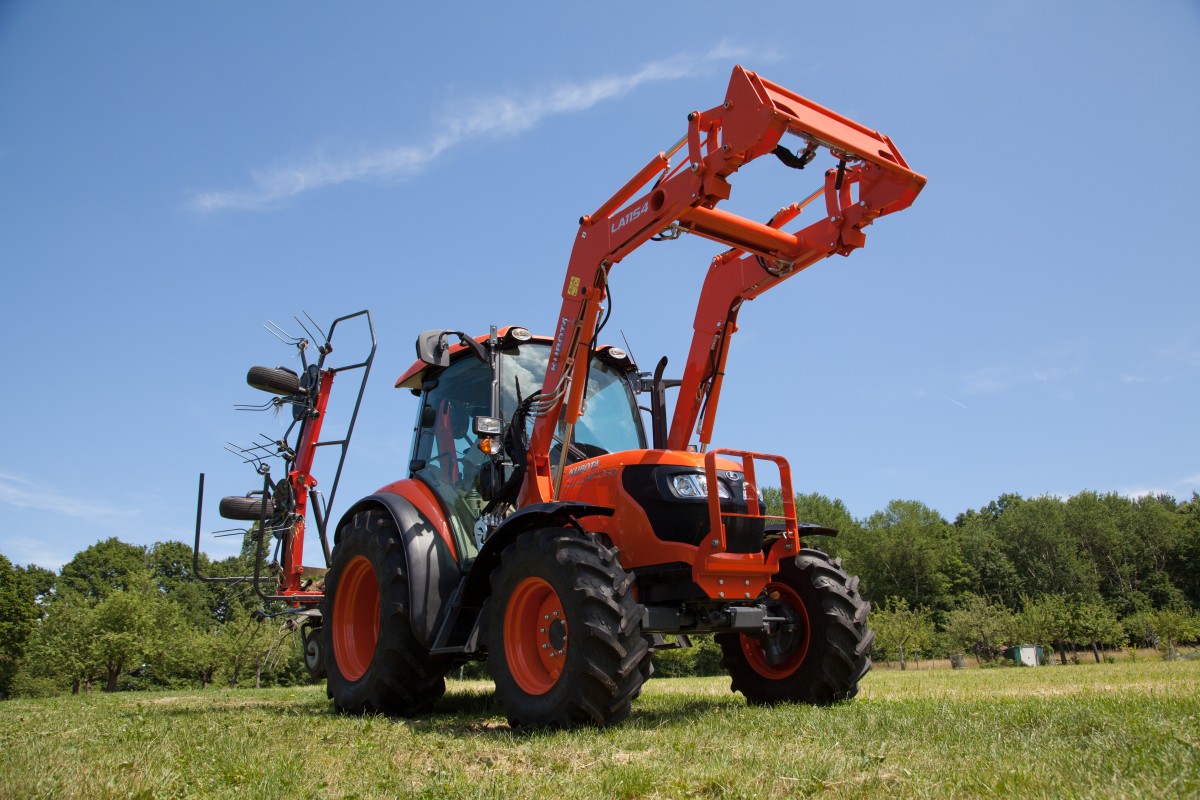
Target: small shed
{"points": [[1029, 655]]}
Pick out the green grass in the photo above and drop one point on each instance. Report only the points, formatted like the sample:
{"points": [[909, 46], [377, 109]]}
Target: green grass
{"points": [[1111, 730]]}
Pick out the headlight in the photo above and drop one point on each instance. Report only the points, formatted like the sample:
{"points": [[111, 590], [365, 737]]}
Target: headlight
{"points": [[690, 484]]}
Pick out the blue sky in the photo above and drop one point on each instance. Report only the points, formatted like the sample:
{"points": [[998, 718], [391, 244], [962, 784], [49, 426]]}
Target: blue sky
{"points": [[174, 175]]}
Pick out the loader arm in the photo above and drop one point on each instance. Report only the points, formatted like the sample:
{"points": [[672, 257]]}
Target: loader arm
{"points": [[663, 197]]}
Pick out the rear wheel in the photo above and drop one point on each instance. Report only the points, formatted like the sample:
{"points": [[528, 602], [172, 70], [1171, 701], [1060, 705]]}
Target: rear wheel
{"points": [[563, 632], [821, 654], [373, 662]]}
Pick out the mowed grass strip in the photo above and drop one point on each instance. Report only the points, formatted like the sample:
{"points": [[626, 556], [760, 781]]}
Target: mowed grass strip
{"points": [[1111, 730]]}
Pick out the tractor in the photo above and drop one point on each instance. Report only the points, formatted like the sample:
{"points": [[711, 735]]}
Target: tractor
{"points": [[541, 527]]}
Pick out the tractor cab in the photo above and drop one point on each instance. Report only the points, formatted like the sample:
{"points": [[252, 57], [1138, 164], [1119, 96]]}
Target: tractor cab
{"points": [[478, 399]]}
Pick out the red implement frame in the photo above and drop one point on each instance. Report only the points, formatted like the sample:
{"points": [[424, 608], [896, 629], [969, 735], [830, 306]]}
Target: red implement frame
{"points": [[291, 551], [683, 198], [290, 527]]}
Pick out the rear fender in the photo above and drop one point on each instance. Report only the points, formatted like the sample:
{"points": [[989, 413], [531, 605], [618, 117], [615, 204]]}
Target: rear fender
{"points": [[431, 568], [477, 585]]}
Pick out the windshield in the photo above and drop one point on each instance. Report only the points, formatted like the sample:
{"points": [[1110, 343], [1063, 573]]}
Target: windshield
{"points": [[446, 455], [610, 422]]}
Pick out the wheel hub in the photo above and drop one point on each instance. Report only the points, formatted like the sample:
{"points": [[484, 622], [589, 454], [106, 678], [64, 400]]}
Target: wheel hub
{"points": [[557, 635], [779, 655], [535, 636], [356, 618]]}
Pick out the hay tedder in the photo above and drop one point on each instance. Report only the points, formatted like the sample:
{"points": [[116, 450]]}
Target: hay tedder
{"points": [[542, 526]]}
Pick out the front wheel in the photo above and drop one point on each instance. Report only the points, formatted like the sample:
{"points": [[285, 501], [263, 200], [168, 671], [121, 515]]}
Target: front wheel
{"points": [[372, 659], [820, 654], [563, 632]]}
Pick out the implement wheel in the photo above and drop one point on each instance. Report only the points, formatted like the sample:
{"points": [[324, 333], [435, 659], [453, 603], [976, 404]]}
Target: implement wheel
{"points": [[247, 509], [373, 662], [563, 632], [277, 380], [818, 658], [314, 662]]}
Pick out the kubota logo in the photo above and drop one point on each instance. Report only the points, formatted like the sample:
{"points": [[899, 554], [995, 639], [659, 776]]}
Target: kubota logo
{"points": [[630, 215], [558, 343]]}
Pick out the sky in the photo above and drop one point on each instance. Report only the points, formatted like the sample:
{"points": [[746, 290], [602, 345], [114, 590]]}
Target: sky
{"points": [[175, 175]]}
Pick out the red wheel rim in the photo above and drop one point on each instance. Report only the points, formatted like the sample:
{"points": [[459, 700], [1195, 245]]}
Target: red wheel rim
{"points": [[535, 636], [356, 618], [753, 650]]}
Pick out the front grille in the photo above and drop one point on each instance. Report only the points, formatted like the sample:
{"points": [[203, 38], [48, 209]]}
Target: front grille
{"points": [[678, 520]]}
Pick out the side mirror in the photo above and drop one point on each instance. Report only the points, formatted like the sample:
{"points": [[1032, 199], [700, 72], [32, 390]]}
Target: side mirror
{"points": [[434, 350]]}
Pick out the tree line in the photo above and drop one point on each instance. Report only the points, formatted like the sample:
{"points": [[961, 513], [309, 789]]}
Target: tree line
{"points": [[122, 616], [1091, 572]]}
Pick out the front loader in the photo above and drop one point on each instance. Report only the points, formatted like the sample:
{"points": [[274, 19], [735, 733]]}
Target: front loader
{"points": [[543, 530]]}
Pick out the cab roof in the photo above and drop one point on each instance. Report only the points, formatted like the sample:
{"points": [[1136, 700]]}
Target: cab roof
{"points": [[414, 376]]}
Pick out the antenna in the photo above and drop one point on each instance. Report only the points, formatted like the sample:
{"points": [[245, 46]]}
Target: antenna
{"points": [[629, 350]]}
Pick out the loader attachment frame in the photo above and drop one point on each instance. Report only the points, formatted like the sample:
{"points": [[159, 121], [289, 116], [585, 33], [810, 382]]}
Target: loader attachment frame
{"points": [[666, 199]]}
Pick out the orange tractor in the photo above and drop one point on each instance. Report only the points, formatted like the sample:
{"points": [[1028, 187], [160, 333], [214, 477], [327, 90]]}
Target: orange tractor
{"points": [[542, 530]]}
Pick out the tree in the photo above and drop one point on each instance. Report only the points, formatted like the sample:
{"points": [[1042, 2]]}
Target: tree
{"points": [[170, 568], [902, 629], [909, 551], [60, 653], [18, 615], [132, 628], [103, 568], [1186, 567], [1096, 624], [41, 581], [1046, 620], [201, 655], [984, 550], [980, 626], [1171, 627], [1132, 545], [1048, 557], [246, 641]]}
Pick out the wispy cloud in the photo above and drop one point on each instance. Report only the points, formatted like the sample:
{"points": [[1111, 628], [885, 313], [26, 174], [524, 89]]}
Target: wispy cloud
{"points": [[1134, 492], [480, 118], [1000, 378], [21, 493], [1180, 353], [1049, 365], [952, 400], [1189, 484], [26, 550]]}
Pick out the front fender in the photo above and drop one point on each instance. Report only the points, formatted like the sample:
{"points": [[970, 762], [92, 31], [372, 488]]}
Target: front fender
{"points": [[431, 568], [477, 585]]}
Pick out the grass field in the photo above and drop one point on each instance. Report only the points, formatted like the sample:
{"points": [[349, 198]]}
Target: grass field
{"points": [[1110, 730]]}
